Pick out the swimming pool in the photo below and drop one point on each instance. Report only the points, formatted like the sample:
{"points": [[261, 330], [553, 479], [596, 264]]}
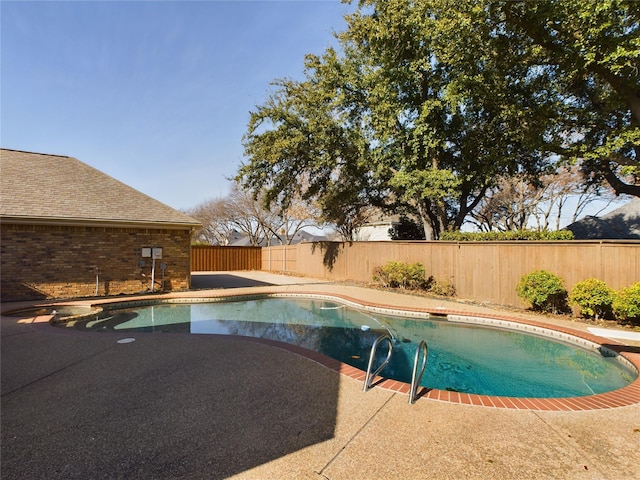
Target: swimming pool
{"points": [[463, 357]]}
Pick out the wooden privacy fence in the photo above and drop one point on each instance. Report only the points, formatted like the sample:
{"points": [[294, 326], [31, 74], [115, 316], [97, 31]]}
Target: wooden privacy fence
{"points": [[208, 258], [481, 271]]}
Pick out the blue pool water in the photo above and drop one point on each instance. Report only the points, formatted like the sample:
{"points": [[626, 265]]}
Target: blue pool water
{"points": [[462, 357]]}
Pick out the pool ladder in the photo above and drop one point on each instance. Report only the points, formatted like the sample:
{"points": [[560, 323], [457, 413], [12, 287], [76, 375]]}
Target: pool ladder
{"points": [[370, 376], [416, 376]]}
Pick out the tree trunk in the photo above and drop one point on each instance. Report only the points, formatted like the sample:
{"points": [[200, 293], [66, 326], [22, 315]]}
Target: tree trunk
{"points": [[429, 230]]}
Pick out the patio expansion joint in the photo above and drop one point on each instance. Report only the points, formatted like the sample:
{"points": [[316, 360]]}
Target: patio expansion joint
{"points": [[17, 334], [567, 439], [55, 372], [355, 435]]}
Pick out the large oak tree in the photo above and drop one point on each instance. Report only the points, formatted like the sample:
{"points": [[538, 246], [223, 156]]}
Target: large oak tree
{"points": [[429, 102], [590, 52]]}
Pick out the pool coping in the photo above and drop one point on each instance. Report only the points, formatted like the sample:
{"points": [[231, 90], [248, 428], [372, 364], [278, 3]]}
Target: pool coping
{"points": [[625, 396], [628, 395]]}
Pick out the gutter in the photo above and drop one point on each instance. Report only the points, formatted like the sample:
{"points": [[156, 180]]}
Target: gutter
{"points": [[98, 222]]}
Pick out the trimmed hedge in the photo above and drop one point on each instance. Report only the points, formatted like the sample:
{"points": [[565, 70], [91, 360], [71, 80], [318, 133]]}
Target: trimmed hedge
{"points": [[506, 236], [543, 290], [401, 275], [411, 276], [593, 296], [626, 303]]}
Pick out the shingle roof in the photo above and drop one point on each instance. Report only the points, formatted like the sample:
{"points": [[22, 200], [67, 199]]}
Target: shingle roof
{"points": [[622, 223], [46, 188]]}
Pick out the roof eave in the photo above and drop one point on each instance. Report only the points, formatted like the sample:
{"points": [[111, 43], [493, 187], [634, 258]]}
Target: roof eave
{"points": [[95, 222]]}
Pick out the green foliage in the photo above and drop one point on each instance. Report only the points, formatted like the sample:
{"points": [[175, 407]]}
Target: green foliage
{"points": [[591, 49], [407, 229], [296, 144], [543, 290], [626, 303], [411, 276], [593, 296], [458, 236], [409, 112], [401, 275], [442, 288]]}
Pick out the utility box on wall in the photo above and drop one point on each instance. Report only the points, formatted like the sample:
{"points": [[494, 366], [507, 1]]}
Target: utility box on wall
{"points": [[151, 252]]}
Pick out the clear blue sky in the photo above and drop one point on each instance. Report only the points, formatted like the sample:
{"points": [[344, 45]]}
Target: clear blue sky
{"points": [[154, 93]]}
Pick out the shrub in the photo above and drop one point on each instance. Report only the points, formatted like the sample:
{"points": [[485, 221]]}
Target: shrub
{"points": [[401, 275], [626, 303], [593, 296], [444, 289], [511, 235], [543, 290]]}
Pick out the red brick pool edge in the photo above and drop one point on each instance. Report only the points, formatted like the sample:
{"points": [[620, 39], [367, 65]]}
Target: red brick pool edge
{"points": [[629, 395]]}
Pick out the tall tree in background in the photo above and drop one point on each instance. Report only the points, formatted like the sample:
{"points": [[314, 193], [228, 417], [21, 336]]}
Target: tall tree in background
{"points": [[217, 225], [566, 190], [509, 205], [400, 118], [589, 53], [301, 145], [251, 218], [519, 202], [239, 212], [451, 107], [296, 216], [431, 102]]}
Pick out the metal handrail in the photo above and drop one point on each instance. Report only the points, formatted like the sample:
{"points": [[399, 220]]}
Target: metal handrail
{"points": [[369, 378], [416, 378]]}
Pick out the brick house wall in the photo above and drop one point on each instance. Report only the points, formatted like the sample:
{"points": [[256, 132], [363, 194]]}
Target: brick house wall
{"points": [[48, 261]]}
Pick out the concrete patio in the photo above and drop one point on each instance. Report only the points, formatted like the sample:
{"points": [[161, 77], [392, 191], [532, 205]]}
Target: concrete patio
{"points": [[79, 405]]}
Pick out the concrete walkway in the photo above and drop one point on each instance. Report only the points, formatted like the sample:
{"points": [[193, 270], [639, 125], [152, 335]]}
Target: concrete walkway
{"points": [[79, 405]]}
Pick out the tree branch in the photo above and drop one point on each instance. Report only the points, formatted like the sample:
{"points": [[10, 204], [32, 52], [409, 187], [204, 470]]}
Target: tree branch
{"points": [[619, 187]]}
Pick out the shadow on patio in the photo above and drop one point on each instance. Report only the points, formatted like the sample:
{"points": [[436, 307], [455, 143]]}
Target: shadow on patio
{"points": [[80, 405]]}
